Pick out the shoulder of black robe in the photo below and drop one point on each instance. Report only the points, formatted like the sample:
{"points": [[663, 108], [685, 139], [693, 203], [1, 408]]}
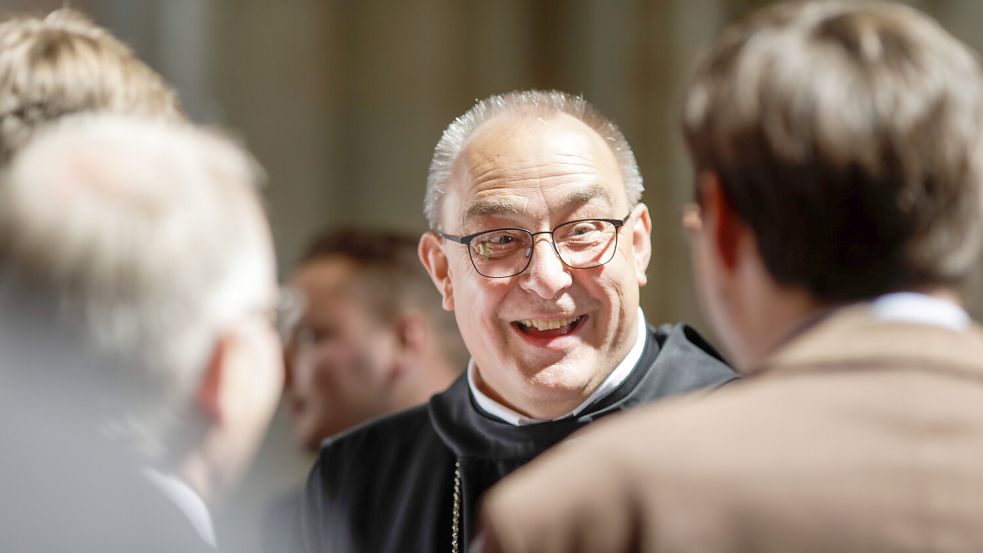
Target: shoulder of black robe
{"points": [[388, 486], [371, 487]]}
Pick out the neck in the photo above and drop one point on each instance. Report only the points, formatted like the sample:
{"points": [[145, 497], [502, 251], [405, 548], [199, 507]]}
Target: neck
{"points": [[432, 376], [195, 470], [767, 321]]}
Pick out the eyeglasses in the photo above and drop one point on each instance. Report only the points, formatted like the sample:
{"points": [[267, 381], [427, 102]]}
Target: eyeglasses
{"points": [[506, 252]]}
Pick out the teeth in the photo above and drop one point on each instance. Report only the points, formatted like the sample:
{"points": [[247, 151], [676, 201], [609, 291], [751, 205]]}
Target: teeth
{"points": [[552, 324]]}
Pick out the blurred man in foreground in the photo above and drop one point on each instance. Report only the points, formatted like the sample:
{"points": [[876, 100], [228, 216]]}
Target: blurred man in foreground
{"points": [[140, 361], [837, 149]]}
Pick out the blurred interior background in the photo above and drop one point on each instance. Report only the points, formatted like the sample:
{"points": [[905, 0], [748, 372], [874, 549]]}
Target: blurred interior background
{"points": [[342, 101]]}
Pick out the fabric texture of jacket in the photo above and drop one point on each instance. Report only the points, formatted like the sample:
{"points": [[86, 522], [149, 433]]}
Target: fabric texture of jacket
{"points": [[858, 435]]}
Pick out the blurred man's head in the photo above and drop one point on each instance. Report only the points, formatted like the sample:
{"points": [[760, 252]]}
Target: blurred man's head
{"points": [[142, 248], [546, 318], [372, 338], [63, 64], [837, 149]]}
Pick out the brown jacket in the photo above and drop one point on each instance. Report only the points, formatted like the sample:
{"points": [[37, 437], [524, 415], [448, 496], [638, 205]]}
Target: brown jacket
{"points": [[858, 435]]}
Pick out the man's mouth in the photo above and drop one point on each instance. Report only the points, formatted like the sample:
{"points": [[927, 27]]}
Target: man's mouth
{"points": [[548, 328]]}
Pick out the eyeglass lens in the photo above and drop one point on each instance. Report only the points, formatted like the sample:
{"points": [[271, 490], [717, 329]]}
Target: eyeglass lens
{"points": [[580, 245]]}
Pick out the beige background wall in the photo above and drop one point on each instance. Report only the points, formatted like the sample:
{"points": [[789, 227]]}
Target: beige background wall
{"points": [[342, 101]]}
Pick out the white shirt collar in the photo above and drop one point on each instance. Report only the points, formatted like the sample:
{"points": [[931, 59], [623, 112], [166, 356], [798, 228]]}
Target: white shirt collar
{"points": [[189, 502], [912, 307], [617, 376]]}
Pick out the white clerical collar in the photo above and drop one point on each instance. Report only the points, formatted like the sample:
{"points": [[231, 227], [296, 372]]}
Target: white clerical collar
{"points": [[912, 307], [189, 502], [617, 376]]}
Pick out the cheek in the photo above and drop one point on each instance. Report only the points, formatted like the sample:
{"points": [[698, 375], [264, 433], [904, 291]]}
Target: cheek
{"points": [[323, 369], [613, 286], [264, 371], [480, 298]]}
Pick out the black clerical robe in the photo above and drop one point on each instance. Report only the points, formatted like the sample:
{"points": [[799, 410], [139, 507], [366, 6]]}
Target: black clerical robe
{"points": [[411, 482]]}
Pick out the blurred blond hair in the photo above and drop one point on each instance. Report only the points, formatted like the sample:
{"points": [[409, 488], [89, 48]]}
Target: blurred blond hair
{"points": [[63, 64]]}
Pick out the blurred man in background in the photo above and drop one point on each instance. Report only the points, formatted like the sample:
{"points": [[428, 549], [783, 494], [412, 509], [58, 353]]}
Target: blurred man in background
{"points": [[372, 338], [837, 148], [140, 362], [63, 64]]}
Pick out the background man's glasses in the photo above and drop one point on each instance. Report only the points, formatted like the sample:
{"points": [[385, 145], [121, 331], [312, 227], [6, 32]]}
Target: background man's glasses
{"points": [[506, 252]]}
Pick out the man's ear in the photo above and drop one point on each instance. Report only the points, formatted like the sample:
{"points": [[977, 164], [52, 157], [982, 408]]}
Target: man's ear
{"points": [[641, 241], [433, 258], [720, 219], [209, 395], [412, 333]]}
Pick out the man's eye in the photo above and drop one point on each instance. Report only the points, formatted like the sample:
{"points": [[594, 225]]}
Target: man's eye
{"points": [[581, 231], [311, 335], [497, 244]]}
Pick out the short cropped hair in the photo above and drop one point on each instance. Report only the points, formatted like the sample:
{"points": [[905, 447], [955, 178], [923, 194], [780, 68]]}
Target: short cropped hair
{"points": [[390, 279], [63, 64], [848, 137], [456, 137], [141, 240]]}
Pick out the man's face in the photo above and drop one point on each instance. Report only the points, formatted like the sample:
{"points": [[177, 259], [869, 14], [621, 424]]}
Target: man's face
{"points": [[340, 358], [252, 357], [536, 173]]}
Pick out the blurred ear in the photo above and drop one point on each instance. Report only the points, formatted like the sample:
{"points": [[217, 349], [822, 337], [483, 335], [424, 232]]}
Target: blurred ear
{"points": [[210, 388], [720, 220], [641, 241], [433, 258], [412, 334]]}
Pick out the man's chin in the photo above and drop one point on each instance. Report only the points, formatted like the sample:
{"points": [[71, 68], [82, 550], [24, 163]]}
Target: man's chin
{"points": [[563, 380]]}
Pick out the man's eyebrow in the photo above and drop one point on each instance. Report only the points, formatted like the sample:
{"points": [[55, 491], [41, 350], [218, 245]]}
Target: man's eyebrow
{"points": [[495, 207], [491, 207], [581, 197]]}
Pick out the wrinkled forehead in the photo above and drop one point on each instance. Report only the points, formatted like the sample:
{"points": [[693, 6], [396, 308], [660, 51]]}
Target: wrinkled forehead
{"points": [[516, 159]]}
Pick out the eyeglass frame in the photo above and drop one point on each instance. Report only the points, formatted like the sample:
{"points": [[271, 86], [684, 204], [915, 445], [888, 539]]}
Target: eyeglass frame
{"points": [[466, 241]]}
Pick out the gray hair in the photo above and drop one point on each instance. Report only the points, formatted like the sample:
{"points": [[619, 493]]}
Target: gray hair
{"points": [[143, 240], [460, 131]]}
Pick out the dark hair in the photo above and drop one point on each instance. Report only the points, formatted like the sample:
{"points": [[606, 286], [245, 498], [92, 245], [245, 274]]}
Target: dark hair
{"points": [[848, 137], [391, 278]]}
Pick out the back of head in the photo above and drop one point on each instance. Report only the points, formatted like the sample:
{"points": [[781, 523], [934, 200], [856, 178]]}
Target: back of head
{"points": [[848, 137], [132, 242], [64, 64], [390, 280]]}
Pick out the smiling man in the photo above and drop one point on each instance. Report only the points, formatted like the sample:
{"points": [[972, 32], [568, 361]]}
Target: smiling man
{"points": [[539, 246]]}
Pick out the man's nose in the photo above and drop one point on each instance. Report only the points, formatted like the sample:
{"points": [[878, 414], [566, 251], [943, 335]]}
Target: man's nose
{"points": [[546, 275]]}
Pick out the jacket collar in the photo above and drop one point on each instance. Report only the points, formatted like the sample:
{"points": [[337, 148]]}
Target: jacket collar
{"points": [[854, 336]]}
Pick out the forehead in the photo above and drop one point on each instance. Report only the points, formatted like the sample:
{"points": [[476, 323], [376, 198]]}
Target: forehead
{"points": [[325, 279], [532, 164]]}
